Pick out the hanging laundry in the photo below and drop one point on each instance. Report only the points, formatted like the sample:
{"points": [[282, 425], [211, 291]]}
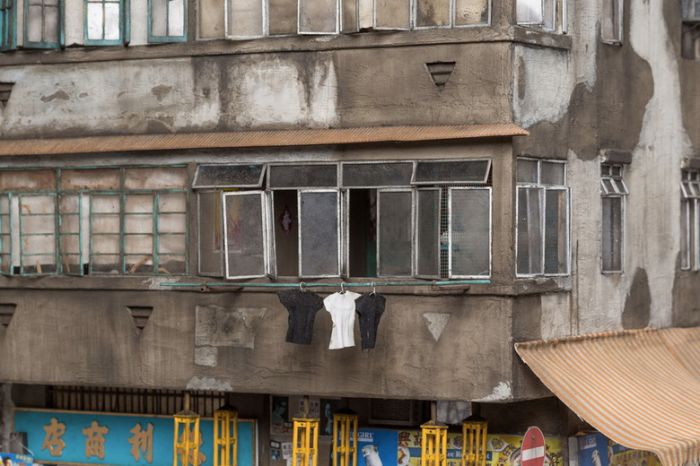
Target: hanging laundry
{"points": [[370, 308], [302, 307], [341, 307]]}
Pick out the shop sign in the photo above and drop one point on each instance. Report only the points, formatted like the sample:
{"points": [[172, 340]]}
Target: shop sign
{"points": [[386, 447], [113, 439], [596, 449], [13, 459]]}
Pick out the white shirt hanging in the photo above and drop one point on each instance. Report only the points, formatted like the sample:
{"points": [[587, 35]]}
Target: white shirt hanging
{"points": [[341, 307]]}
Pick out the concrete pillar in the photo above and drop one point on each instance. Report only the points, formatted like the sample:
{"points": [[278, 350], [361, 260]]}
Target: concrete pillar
{"points": [[7, 409]]}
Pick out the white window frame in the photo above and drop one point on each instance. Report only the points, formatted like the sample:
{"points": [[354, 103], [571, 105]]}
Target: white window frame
{"points": [[338, 15], [264, 26], [416, 236], [450, 218], [616, 189], [690, 196], [559, 17], [611, 9], [413, 229], [452, 24], [543, 216], [264, 205], [300, 229]]}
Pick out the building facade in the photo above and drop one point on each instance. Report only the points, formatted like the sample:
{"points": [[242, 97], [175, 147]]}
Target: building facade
{"points": [[499, 171]]}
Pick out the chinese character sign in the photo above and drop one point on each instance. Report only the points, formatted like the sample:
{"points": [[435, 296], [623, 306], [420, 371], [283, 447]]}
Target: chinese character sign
{"points": [[91, 438]]}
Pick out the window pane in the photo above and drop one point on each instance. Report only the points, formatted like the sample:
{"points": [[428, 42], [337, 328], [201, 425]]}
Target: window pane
{"points": [[38, 240], [95, 16], [303, 176], [556, 232], [612, 234], [529, 11], [432, 13], [51, 24], [89, 179], [469, 12], [34, 27], [392, 14], [552, 173], [463, 171], [282, 17], [377, 174], [350, 16], [176, 18], [529, 260], [527, 171], [210, 231], [211, 19], [319, 233], [244, 235], [228, 176], [470, 232], [549, 19], [159, 17], [155, 178], [318, 16], [112, 20], [395, 233], [428, 255], [245, 18], [685, 234]]}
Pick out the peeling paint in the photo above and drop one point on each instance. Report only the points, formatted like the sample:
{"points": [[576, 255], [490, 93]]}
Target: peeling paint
{"points": [[60, 95], [501, 392], [209, 384]]}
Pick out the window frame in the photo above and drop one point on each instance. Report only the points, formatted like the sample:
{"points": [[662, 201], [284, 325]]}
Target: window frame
{"points": [[8, 25], [484, 182], [452, 17], [264, 26], [264, 226], [197, 187], [216, 194], [412, 230], [619, 190], [615, 10], [300, 231], [450, 219], [59, 27], [538, 184], [417, 218], [559, 18], [338, 15], [124, 24], [690, 196], [690, 15], [168, 38]]}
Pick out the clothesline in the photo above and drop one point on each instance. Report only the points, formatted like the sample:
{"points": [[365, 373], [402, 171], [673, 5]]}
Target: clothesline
{"points": [[328, 285]]}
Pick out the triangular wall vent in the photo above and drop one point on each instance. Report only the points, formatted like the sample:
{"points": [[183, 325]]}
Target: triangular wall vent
{"points": [[7, 310], [5, 91], [440, 71], [140, 316]]}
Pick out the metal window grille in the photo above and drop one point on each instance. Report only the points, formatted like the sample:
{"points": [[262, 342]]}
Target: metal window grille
{"points": [[132, 401]]}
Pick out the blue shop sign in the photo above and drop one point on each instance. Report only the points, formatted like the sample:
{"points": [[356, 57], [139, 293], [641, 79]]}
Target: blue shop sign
{"points": [[115, 439]]}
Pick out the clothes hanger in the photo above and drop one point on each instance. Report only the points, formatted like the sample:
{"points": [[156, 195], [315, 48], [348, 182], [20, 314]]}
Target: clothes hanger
{"points": [[374, 289], [342, 288], [301, 287]]}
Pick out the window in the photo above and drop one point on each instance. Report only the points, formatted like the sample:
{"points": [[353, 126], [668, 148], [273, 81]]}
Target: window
{"points": [[690, 221], [110, 220], [363, 219], [613, 191], [104, 22], [8, 20], [166, 21], [691, 10], [246, 19], [42, 23], [542, 238], [611, 22], [690, 35], [550, 15]]}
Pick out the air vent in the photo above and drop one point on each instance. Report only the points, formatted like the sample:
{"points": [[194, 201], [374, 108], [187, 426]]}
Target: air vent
{"points": [[5, 91], [6, 312], [440, 71], [140, 316]]}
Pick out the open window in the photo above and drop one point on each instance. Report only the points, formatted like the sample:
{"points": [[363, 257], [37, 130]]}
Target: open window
{"points": [[245, 234], [319, 233]]}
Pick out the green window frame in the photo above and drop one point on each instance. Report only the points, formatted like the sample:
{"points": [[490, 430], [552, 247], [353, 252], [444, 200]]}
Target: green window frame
{"points": [[8, 25], [106, 22], [167, 21], [46, 16]]}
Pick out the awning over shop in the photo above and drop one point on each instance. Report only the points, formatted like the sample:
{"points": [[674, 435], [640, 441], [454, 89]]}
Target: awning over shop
{"points": [[245, 139], [640, 388]]}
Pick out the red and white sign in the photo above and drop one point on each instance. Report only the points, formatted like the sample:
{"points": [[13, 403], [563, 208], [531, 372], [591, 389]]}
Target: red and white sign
{"points": [[532, 451]]}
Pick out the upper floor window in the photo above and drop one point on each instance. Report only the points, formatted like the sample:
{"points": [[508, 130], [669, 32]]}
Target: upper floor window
{"points": [[105, 22], [691, 10], [363, 219], [611, 29], [549, 15], [244, 19], [80, 221], [614, 192], [690, 220], [8, 21], [542, 205], [166, 22], [690, 35], [42, 26]]}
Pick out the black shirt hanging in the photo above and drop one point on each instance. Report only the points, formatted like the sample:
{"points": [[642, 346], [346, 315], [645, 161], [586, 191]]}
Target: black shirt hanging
{"points": [[302, 307], [370, 308]]}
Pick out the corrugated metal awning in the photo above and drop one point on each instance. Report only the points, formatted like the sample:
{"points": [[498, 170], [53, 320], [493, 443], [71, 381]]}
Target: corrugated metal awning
{"points": [[246, 139], [635, 387]]}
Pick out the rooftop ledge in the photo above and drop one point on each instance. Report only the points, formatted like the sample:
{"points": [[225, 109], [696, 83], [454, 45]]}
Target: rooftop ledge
{"points": [[250, 139]]}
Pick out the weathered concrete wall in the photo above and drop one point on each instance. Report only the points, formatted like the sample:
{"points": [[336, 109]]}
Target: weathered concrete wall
{"points": [[638, 97], [448, 347], [276, 90]]}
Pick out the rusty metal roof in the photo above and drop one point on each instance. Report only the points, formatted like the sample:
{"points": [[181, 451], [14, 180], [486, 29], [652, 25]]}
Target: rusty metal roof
{"points": [[247, 139]]}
